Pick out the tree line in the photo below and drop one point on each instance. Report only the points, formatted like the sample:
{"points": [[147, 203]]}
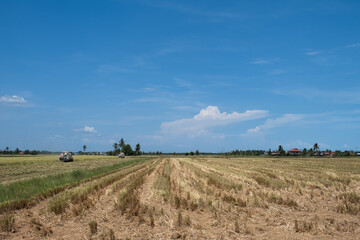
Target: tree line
{"points": [[18, 151], [246, 153], [121, 146], [314, 151]]}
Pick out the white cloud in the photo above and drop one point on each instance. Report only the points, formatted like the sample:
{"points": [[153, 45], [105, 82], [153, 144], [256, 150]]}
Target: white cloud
{"points": [[355, 45], [86, 129], [328, 96], [311, 52], [297, 144], [207, 118], [277, 122], [56, 137], [12, 99], [260, 61], [253, 130]]}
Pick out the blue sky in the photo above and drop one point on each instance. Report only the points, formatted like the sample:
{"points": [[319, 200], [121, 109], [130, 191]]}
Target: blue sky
{"points": [[179, 75]]}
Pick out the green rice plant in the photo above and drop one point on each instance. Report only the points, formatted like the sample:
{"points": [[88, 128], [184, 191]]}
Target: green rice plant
{"points": [[57, 205], [7, 223], [79, 195], [93, 227]]}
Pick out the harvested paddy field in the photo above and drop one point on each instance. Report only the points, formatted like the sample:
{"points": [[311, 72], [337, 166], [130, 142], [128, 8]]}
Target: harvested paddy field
{"points": [[195, 198]]}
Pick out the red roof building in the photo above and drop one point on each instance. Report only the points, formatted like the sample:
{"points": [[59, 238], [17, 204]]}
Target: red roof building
{"points": [[329, 154], [294, 152]]}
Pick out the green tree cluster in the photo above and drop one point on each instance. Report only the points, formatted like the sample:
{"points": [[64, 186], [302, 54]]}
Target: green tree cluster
{"points": [[121, 146]]}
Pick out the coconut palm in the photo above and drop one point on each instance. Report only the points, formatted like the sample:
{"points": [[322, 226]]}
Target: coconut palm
{"points": [[121, 143], [316, 147], [115, 145]]}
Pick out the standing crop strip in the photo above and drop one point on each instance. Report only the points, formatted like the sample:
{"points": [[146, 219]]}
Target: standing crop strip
{"points": [[21, 194]]}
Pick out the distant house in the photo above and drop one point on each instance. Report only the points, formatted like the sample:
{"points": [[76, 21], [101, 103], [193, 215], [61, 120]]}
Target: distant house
{"points": [[294, 152], [329, 154]]}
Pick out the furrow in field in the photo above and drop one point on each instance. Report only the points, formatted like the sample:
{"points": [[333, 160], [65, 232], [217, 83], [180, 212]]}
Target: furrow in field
{"points": [[276, 209], [27, 193], [190, 198], [38, 221]]}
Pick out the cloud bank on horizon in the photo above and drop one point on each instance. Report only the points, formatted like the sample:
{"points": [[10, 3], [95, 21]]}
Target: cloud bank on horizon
{"points": [[208, 118]]}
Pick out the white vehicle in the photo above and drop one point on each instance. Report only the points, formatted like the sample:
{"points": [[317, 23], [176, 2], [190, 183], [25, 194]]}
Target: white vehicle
{"points": [[66, 157], [122, 155]]}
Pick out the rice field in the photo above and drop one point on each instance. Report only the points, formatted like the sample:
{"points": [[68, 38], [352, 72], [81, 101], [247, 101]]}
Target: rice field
{"points": [[188, 198]]}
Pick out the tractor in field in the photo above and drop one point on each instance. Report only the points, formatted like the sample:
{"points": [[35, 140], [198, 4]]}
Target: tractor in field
{"points": [[122, 155], [66, 157]]}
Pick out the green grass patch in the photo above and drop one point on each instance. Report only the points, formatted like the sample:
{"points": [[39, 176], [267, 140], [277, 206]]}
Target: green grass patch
{"points": [[19, 194]]}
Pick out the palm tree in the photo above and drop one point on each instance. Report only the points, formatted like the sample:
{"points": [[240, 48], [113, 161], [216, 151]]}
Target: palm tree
{"points": [[115, 145], [84, 147], [121, 143], [281, 150], [316, 147], [137, 149]]}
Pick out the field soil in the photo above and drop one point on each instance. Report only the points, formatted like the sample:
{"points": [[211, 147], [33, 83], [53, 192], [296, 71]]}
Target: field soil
{"points": [[203, 198]]}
